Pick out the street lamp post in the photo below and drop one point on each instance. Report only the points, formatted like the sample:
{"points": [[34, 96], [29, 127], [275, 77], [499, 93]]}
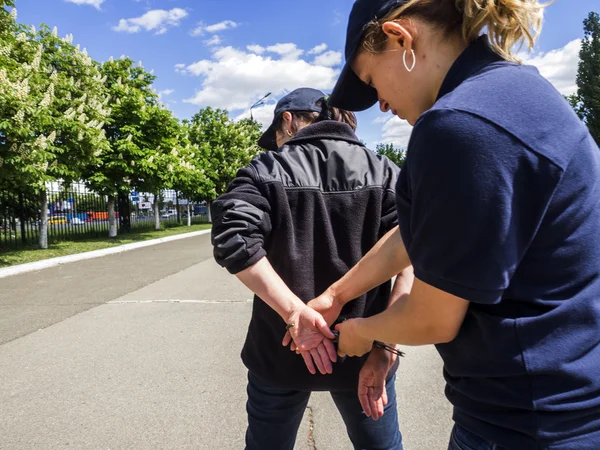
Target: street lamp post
{"points": [[258, 103]]}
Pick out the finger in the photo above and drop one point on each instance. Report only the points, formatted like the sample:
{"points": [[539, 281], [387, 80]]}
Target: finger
{"points": [[324, 328], [380, 410], [309, 363], [325, 358], [373, 404], [330, 348], [293, 347], [384, 396], [306, 346], [287, 339], [364, 402], [317, 359]]}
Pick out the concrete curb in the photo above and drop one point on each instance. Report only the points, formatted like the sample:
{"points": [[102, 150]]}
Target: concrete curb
{"points": [[53, 262]]}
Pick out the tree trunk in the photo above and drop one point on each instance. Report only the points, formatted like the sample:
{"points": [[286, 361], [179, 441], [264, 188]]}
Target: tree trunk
{"points": [[22, 218], [177, 206], [208, 214], [189, 217], [156, 212], [112, 221], [43, 219]]}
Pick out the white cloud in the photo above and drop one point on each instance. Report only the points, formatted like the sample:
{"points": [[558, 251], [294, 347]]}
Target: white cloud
{"points": [[262, 114], [166, 92], [328, 59], [381, 119], [95, 3], [234, 78], [559, 66], [256, 49], [214, 28], [395, 131], [286, 51], [215, 40], [318, 49], [158, 20]]}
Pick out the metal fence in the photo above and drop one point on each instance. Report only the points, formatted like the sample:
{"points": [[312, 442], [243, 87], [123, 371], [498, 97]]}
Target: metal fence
{"points": [[77, 214]]}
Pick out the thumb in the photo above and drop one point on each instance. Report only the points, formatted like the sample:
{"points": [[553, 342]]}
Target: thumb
{"points": [[324, 328], [338, 327]]}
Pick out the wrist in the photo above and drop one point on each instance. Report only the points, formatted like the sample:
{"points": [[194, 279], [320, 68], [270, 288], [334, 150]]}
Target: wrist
{"points": [[383, 357], [293, 310], [336, 295]]}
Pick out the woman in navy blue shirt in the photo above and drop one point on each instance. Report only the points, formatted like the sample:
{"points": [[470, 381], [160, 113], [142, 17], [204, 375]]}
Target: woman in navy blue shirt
{"points": [[499, 214]]}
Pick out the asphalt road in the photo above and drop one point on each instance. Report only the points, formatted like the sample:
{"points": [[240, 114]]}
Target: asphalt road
{"points": [[141, 351]]}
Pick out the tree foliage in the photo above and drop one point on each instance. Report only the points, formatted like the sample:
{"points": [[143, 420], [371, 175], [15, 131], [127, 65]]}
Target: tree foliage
{"points": [[226, 145], [397, 156], [587, 100]]}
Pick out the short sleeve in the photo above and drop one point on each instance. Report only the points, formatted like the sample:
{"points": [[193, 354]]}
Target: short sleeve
{"points": [[470, 199]]}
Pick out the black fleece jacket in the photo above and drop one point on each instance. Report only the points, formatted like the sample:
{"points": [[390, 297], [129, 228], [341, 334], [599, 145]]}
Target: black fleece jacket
{"points": [[313, 208]]}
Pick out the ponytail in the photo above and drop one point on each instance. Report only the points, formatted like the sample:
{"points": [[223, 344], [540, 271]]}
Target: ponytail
{"points": [[507, 22], [339, 115]]}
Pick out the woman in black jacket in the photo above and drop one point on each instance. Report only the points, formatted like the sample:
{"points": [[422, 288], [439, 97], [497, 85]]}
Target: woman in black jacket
{"points": [[293, 221]]}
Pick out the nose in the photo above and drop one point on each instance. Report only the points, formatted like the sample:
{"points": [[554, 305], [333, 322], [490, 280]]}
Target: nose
{"points": [[384, 106]]}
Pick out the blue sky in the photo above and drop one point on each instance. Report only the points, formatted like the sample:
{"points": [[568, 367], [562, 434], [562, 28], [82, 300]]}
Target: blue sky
{"points": [[228, 53]]}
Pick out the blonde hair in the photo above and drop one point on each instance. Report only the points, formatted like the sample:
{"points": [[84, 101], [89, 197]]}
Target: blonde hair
{"points": [[507, 22]]}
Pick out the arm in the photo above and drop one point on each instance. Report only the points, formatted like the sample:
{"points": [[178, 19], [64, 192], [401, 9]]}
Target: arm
{"points": [[372, 392], [470, 209], [309, 326], [242, 222], [387, 258], [427, 316]]}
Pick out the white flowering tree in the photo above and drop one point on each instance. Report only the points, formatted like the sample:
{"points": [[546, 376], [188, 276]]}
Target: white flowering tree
{"points": [[225, 145], [128, 159], [191, 173], [52, 110]]}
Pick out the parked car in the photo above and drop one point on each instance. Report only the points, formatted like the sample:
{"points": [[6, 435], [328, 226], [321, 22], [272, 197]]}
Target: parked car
{"points": [[77, 221], [57, 220], [169, 214]]}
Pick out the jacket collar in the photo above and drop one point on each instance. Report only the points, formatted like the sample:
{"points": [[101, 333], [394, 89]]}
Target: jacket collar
{"points": [[326, 129]]}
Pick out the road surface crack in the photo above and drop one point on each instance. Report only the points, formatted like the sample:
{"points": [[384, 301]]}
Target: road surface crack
{"points": [[311, 427]]}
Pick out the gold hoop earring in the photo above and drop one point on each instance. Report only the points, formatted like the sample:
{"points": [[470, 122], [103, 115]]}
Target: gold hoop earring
{"points": [[289, 133]]}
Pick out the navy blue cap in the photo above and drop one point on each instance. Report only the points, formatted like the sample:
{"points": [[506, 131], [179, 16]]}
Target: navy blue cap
{"points": [[303, 99], [350, 93]]}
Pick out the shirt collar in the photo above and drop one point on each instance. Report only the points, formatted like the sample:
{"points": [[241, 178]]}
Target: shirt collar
{"points": [[474, 58]]}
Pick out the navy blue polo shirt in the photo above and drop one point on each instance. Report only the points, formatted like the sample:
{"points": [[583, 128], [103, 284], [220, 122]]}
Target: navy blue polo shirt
{"points": [[499, 203]]}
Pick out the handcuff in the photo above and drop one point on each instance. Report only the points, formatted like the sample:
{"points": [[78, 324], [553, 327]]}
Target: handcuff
{"points": [[377, 344], [336, 338]]}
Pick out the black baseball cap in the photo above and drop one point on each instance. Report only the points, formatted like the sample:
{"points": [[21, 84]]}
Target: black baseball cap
{"points": [[350, 92], [302, 99]]}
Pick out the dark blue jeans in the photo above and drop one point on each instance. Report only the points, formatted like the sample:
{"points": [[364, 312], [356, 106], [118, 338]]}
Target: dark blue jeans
{"points": [[274, 416], [462, 439]]}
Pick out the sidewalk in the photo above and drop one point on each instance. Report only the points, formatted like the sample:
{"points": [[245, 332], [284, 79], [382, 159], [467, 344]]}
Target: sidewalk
{"points": [[158, 367]]}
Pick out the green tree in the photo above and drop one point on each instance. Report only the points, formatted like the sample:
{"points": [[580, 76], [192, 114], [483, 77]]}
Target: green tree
{"points": [[397, 156], [191, 178], [587, 100]]}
